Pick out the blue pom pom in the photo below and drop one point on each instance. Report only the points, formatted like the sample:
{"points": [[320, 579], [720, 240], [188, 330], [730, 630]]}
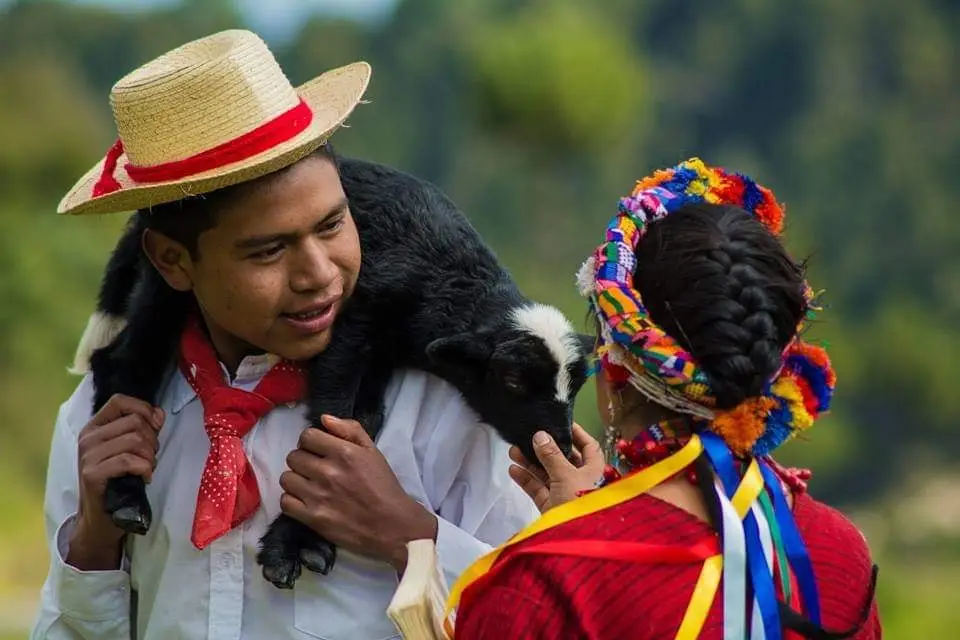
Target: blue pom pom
{"points": [[681, 178], [751, 194], [776, 432], [680, 200]]}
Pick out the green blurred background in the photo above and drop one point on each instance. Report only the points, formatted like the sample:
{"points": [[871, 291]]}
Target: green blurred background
{"points": [[535, 116]]}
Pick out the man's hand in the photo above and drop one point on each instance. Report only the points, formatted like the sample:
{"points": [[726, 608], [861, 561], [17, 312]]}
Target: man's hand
{"points": [[341, 486], [559, 480], [120, 439]]}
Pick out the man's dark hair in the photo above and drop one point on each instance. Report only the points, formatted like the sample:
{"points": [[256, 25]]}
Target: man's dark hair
{"points": [[717, 281], [184, 220]]}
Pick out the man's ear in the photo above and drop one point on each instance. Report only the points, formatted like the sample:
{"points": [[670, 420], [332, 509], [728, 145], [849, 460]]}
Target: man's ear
{"points": [[170, 258], [463, 355]]}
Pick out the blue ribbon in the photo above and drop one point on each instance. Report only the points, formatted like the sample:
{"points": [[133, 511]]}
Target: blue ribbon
{"points": [[761, 575], [793, 545]]}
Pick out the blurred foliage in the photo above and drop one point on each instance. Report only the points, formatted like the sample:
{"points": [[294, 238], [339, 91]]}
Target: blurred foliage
{"points": [[535, 117]]}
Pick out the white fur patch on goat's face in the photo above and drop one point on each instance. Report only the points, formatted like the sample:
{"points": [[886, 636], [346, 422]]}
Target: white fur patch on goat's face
{"points": [[550, 325]]}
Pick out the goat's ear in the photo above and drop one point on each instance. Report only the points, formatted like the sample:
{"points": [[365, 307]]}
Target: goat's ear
{"points": [[587, 342], [465, 352]]}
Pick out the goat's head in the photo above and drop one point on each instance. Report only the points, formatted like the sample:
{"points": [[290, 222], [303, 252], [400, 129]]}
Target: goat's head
{"points": [[520, 373]]}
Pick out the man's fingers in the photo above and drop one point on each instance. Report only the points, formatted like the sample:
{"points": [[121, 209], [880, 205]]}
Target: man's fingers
{"points": [[549, 454], [589, 448], [135, 442], [296, 485], [341, 438], [576, 458], [321, 443], [349, 430], [311, 466], [132, 423], [582, 438], [517, 456], [118, 465], [120, 405], [531, 485], [293, 507]]}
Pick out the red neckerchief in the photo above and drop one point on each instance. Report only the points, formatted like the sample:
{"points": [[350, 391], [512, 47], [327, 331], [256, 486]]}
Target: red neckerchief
{"points": [[228, 492]]}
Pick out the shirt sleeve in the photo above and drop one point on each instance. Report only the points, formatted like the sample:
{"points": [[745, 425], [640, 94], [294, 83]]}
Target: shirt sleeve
{"points": [[464, 465], [75, 604]]}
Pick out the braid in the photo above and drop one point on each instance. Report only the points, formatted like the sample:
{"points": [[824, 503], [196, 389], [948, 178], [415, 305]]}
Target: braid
{"points": [[722, 292]]}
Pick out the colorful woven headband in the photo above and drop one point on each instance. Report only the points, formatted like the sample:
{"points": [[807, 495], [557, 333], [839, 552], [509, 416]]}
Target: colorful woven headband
{"points": [[635, 350]]}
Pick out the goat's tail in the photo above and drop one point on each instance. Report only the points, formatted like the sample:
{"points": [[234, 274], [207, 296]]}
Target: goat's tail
{"points": [[119, 279]]}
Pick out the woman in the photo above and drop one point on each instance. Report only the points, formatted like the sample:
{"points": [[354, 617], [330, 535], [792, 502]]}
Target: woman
{"points": [[693, 531]]}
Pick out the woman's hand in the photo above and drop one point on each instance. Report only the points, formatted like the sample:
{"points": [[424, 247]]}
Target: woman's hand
{"points": [[559, 480]]}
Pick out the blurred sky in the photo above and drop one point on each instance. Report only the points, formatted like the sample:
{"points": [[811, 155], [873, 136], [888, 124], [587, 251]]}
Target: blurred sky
{"points": [[275, 20]]}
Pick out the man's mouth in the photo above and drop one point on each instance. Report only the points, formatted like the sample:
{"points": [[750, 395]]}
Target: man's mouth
{"points": [[309, 315], [313, 319]]}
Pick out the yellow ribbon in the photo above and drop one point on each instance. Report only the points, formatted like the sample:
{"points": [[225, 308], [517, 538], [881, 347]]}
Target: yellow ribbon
{"points": [[703, 594], [609, 496]]}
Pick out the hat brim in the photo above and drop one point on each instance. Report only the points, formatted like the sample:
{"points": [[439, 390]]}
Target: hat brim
{"points": [[332, 96]]}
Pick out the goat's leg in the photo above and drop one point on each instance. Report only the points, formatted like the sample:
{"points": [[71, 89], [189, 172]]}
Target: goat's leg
{"points": [[288, 544], [134, 365]]}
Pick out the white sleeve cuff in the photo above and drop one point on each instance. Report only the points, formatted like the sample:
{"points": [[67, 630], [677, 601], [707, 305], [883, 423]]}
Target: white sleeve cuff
{"points": [[457, 549], [88, 595]]}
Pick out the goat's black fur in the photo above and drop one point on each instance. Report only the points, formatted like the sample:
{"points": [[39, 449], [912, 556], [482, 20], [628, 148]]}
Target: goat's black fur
{"points": [[431, 295]]}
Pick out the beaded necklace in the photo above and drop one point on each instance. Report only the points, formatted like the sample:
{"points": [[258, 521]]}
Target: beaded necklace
{"points": [[663, 439], [653, 444]]}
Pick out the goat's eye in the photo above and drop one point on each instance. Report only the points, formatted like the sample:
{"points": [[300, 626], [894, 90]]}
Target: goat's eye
{"points": [[514, 385]]}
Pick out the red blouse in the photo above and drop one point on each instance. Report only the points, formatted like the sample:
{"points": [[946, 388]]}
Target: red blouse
{"points": [[554, 597]]}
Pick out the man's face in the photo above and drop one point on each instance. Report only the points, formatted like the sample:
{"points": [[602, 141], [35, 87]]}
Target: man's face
{"points": [[278, 266]]}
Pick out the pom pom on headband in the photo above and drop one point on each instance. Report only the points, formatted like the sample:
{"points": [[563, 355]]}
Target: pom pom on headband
{"points": [[634, 350]]}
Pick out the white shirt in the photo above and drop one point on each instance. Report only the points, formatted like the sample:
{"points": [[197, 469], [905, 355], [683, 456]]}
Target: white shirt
{"points": [[442, 455]]}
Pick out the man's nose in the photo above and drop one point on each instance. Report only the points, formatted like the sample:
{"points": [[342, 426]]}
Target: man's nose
{"points": [[314, 269]]}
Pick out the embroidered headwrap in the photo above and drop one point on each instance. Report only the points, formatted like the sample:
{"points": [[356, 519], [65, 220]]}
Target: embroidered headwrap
{"points": [[634, 350]]}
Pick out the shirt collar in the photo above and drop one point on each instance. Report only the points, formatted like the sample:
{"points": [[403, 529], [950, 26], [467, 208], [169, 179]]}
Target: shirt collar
{"points": [[250, 370]]}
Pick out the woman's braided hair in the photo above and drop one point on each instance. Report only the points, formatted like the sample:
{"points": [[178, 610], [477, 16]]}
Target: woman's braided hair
{"points": [[715, 333]]}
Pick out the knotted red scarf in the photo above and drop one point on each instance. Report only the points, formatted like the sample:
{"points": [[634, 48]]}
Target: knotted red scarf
{"points": [[228, 492]]}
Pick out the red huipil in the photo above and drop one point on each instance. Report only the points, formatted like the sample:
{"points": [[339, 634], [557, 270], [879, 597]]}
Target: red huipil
{"points": [[566, 597]]}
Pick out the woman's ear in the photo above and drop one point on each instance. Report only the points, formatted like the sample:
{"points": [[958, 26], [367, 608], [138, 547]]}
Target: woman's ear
{"points": [[170, 258]]}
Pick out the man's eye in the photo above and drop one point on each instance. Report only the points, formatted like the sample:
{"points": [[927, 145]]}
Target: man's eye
{"points": [[267, 253], [332, 227]]}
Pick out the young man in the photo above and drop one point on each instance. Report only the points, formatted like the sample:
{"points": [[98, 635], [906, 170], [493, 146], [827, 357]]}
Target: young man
{"points": [[270, 253]]}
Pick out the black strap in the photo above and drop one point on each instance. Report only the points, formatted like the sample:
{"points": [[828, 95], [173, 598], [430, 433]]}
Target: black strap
{"points": [[808, 629], [134, 600]]}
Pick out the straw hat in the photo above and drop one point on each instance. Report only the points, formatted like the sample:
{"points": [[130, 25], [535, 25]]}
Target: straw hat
{"points": [[209, 114]]}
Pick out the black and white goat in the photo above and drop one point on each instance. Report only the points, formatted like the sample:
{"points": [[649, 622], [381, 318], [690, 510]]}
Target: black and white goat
{"points": [[431, 295]]}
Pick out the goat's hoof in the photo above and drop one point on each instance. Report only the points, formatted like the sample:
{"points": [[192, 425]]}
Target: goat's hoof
{"points": [[281, 572], [132, 519], [319, 557]]}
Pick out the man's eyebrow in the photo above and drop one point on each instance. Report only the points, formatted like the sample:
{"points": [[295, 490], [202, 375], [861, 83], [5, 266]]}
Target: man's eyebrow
{"points": [[337, 209], [255, 242]]}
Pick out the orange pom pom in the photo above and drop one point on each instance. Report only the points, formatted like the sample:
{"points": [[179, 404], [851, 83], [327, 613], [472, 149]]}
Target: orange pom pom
{"points": [[741, 426], [659, 177]]}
